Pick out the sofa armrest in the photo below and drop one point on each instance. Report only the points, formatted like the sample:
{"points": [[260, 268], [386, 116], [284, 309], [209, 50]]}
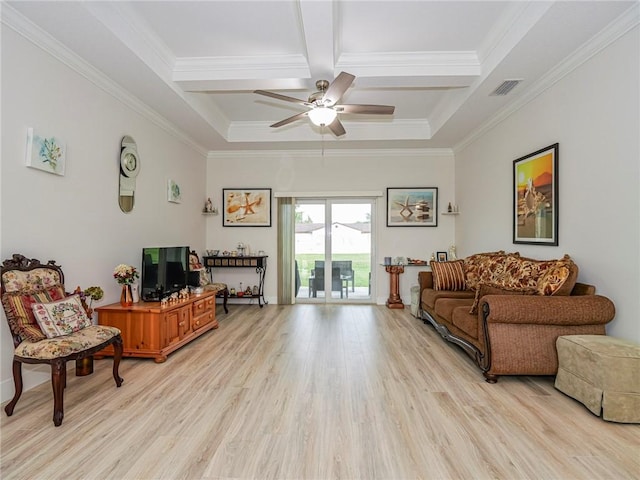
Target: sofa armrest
{"points": [[547, 310], [425, 280]]}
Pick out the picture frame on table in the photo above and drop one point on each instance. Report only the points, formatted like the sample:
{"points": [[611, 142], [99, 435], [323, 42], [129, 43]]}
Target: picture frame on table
{"points": [[535, 197], [441, 256], [246, 207], [412, 207]]}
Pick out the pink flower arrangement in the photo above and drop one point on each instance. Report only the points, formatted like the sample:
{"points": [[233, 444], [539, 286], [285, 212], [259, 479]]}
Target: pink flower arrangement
{"points": [[125, 274]]}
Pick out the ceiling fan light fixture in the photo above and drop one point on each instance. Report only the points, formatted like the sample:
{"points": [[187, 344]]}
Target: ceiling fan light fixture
{"points": [[321, 116]]}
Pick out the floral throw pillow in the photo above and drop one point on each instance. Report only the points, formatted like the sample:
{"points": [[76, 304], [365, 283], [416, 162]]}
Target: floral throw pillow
{"points": [[485, 267], [18, 308], [62, 317]]}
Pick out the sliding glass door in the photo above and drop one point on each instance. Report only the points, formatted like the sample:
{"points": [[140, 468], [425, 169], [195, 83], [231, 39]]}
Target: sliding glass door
{"points": [[333, 250]]}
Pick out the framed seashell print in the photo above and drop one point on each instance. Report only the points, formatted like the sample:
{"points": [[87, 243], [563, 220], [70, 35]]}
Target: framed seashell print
{"points": [[246, 207]]}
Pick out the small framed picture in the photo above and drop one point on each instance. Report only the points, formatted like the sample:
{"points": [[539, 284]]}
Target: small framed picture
{"points": [[45, 152], [441, 256], [173, 192]]}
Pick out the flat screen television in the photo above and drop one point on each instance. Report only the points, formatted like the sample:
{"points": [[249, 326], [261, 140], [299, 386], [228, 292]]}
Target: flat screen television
{"points": [[165, 270]]}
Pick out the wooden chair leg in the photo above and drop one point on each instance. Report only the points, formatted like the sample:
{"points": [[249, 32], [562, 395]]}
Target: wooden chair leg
{"points": [[225, 296], [58, 381], [117, 356], [17, 381]]}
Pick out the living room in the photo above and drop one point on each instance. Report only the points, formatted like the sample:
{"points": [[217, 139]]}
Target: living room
{"points": [[589, 105]]}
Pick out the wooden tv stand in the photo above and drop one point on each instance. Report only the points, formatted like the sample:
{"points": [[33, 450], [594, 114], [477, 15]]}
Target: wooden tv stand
{"points": [[151, 330]]}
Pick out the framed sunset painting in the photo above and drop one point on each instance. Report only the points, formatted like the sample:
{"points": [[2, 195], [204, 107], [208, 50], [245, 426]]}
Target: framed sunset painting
{"points": [[535, 197]]}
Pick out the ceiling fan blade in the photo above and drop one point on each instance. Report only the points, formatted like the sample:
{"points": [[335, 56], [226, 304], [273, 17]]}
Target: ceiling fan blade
{"points": [[282, 97], [286, 121], [368, 109], [337, 128], [337, 88]]}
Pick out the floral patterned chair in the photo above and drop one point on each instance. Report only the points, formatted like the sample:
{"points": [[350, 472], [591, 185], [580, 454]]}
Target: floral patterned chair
{"points": [[50, 326]]}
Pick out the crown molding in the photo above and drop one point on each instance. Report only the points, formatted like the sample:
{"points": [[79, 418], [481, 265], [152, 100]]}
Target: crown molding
{"points": [[43, 40], [126, 25], [124, 22], [411, 64], [305, 132], [616, 29], [248, 67], [333, 153]]}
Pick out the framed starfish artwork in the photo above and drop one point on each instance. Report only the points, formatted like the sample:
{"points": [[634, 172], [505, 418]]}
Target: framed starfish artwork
{"points": [[246, 207], [412, 207]]}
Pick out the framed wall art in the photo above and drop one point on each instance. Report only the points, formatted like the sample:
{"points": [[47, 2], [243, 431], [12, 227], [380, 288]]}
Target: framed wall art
{"points": [[46, 153], [173, 192], [246, 207], [412, 207], [535, 197]]}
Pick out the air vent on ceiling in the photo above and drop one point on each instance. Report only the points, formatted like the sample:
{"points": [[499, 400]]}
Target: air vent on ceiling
{"points": [[505, 87]]}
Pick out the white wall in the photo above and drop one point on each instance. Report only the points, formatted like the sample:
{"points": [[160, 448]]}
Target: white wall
{"points": [[594, 115], [337, 172], [75, 219]]}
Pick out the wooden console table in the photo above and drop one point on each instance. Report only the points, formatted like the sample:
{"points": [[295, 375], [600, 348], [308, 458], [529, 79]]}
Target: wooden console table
{"points": [[258, 262], [153, 330]]}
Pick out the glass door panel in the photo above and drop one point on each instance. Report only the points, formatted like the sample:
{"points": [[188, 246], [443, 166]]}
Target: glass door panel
{"points": [[333, 250], [310, 249], [351, 249]]}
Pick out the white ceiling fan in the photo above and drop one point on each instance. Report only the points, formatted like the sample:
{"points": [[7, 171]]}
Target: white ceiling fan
{"points": [[323, 104]]}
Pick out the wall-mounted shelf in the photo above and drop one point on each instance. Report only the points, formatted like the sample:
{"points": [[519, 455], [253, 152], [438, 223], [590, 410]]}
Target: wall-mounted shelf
{"points": [[209, 213], [450, 213]]}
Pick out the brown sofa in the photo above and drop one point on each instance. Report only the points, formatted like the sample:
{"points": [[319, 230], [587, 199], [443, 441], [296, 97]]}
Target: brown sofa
{"points": [[521, 307]]}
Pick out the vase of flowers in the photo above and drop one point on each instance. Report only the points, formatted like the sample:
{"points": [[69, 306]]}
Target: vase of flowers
{"points": [[125, 275]]}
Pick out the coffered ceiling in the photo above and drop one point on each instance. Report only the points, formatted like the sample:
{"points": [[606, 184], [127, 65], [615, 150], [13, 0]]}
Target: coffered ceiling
{"points": [[196, 64]]}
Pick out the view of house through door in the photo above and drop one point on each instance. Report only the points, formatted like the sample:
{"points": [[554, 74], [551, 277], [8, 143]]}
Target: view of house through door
{"points": [[333, 250]]}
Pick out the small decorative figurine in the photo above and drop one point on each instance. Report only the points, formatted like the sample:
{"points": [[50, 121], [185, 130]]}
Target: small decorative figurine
{"points": [[452, 252], [255, 290], [449, 208], [208, 206]]}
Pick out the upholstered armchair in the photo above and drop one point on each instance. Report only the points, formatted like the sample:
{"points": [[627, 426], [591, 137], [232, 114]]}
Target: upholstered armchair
{"points": [[50, 326]]}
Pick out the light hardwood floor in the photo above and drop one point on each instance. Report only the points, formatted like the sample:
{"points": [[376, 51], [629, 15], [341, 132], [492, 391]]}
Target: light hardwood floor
{"points": [[313, 392]]}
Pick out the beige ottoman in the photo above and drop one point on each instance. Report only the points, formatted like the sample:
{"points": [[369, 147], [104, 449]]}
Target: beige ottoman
{"points": [[601, 372]]}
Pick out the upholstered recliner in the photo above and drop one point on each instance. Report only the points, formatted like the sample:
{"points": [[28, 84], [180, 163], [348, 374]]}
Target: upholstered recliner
{"points": [[49, 326]]}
